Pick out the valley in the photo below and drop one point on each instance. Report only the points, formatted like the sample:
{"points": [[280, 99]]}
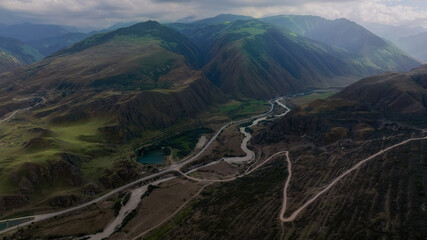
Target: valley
{"points": [[175, 168], [230, 127], [303, 187], [195, 173]]}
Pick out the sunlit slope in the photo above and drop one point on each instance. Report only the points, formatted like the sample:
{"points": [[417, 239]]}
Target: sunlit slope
{"points": [[89, 102], [104, 75]]}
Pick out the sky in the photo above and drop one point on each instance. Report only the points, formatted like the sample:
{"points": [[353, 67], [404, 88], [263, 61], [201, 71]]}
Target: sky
{"points": [[96, 14]]}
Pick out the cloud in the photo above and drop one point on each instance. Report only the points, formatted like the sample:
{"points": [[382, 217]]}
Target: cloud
{"points": [[102, 13]]}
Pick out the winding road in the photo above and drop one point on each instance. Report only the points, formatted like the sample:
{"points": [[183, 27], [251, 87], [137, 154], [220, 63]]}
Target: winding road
{"points": [[250, 155], [172, 169], [12, 114], [330, 185]]}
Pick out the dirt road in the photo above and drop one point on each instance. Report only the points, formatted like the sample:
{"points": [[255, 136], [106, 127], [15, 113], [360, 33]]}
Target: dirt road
{"points": [[330, 185]]}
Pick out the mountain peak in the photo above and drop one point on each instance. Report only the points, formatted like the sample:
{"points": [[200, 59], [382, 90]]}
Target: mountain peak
{"points": [[222, 18], [149, 23]]}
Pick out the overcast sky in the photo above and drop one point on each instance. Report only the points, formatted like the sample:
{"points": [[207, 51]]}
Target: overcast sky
{"points": [[103, 13]]}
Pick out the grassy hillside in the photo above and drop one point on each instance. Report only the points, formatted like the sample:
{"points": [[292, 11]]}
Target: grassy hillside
{"points": [[92, 103], [283, 54], [256, 59], [169, 39]]}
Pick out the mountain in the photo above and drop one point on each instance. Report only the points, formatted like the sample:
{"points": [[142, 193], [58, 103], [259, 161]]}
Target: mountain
{"points": [[119, 25], [90, 103], [350, 36], [414, 45], [256, 59], [153, 58], [203, 32], [188, 19], [401, 94], [222, 18], [260, 58], [14, 53]]}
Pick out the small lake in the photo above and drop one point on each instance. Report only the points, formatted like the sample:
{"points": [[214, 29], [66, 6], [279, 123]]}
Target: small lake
{"points": [[4, 225], [153, 157]]}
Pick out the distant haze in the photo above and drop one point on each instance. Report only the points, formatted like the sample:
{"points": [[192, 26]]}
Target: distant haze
{"points": [[95, 14]]}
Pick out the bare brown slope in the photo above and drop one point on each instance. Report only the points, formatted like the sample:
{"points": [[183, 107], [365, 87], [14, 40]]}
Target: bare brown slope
{"points": [[395, 93]]}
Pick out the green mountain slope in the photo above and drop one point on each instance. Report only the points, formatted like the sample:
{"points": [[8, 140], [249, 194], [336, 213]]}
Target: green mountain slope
{"points": [[92, 102], [252, 58], [371, 49], [168, 39], [203, 32], [14, 53], [256, 59]]}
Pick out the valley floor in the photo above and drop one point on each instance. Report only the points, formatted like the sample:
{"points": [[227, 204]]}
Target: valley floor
{"points": [[282, 189]]}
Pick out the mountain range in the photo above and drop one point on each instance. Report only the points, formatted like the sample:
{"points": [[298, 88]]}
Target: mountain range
{"points": [[274, 53]]}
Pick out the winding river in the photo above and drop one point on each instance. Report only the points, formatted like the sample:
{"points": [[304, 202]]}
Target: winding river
{"points": [[250, 155], [172, 169]]}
